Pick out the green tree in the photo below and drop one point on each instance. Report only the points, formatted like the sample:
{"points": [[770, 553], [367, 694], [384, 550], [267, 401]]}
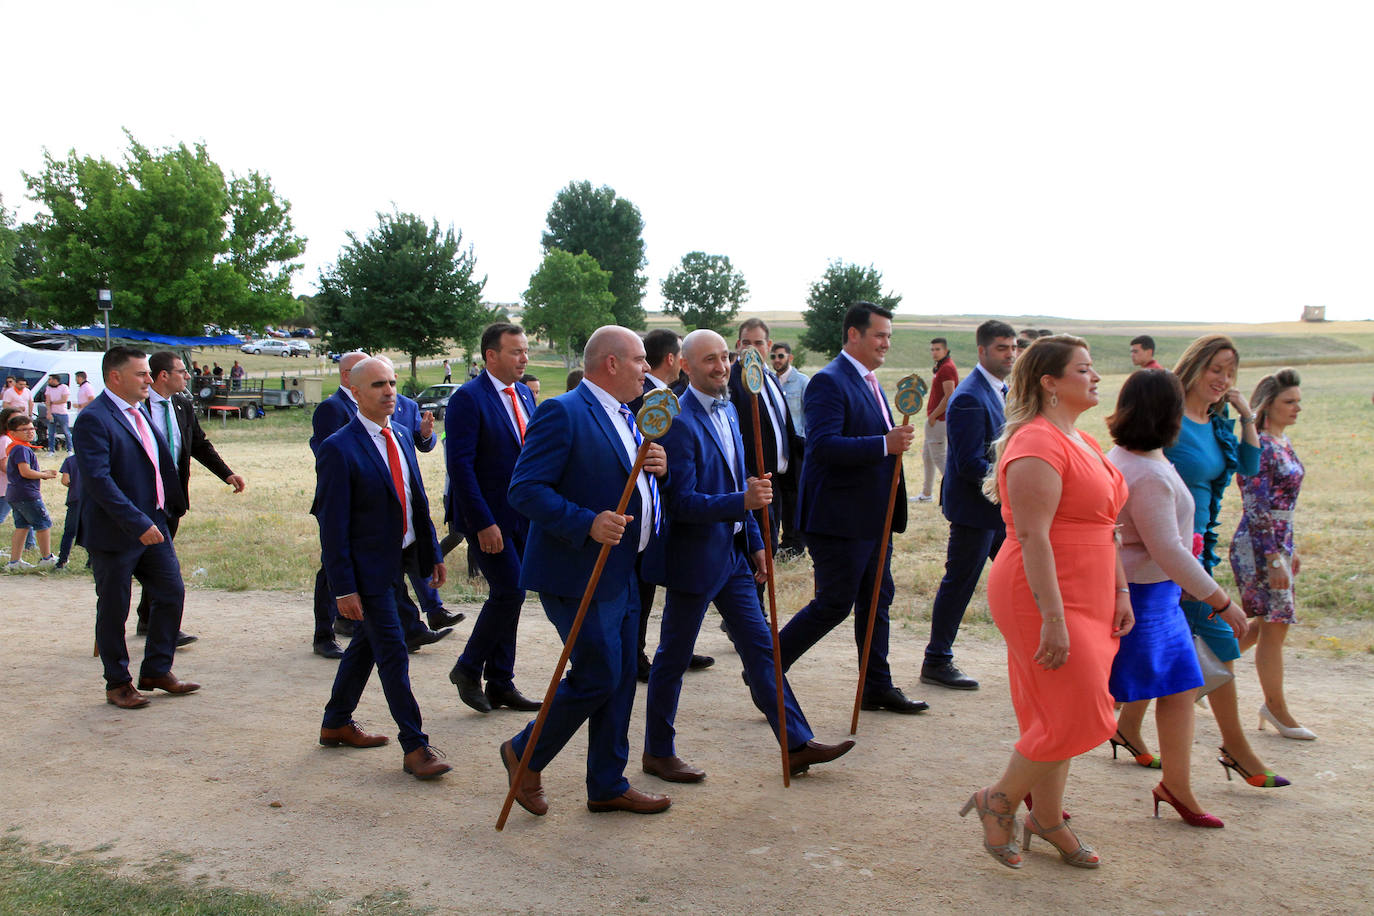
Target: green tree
{"points": [[569, 297], [168, 234], [405, 287], [832, 295], [18, 262], [594, 221], [705, 291]]}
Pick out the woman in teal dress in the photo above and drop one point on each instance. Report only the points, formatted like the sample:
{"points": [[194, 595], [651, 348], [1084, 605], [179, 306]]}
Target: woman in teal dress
{"points": [[1206, 456]]}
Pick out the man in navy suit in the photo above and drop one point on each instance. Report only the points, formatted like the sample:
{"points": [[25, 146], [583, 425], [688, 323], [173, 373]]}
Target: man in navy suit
{"points": [[485, 427], [973, 420], [706, 556], [130, 494], [578, 453], [851, 449], [374, 524], [331, 415]]}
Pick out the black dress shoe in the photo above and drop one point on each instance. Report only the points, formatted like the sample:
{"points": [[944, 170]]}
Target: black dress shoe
{"points": [[700, 661], [947, 675], [442, 618], [510, 698], [426, 637], [812, 752], [893, 700], [469, 690], [345, 627], [185, 639], [328, 648], [644, 667]]}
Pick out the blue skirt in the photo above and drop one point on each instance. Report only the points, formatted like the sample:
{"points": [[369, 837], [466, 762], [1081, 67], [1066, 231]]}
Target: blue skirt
{"points": [[1157, 658]]}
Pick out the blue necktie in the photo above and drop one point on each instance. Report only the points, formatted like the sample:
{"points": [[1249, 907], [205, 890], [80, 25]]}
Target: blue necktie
{"points": [[653, 484]]}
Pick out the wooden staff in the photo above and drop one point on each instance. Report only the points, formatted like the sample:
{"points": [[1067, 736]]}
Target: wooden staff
{"points": [[908, 402], [576, 627], [767, 533]]}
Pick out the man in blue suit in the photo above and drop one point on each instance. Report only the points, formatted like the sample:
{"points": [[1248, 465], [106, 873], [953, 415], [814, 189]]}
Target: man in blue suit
{"points": [[973, 420], [374, 524], [130, 494], [485, 427], [851, 449], [331, 415], [578, 453], [706, 555]]}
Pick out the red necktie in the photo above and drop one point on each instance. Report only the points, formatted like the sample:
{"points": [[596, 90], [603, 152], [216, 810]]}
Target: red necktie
{"points": [[151, 451], [515, 408], [393, 459]]}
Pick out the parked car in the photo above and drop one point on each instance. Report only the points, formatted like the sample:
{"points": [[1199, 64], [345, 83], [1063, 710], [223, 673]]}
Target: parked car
{"points": [[303, 332], [270, 346], [299, 347], [435, 398]]}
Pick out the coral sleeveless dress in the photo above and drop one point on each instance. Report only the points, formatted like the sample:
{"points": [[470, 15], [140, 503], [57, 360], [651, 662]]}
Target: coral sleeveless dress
{"points": [[1065, 712]]}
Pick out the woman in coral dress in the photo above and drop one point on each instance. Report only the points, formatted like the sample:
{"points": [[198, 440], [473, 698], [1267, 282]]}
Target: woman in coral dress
{"points": [[1057, 593]]}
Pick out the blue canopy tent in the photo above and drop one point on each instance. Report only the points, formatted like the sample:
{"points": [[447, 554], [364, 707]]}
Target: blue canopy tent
{"points": [[170, 340]]}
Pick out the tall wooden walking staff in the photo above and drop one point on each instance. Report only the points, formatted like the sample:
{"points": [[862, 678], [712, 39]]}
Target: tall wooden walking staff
{"points": [[910, 392], [752, 374], [654, 418]]}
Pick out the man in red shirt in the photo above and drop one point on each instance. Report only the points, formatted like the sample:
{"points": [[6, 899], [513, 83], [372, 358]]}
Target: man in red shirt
{"points": [[941, 387], [1143, 352]]}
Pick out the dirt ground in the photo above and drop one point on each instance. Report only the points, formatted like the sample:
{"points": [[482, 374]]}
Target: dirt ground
{"points": [[193, 780]]}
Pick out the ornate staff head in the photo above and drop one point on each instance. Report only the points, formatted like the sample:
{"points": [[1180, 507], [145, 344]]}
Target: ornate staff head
{"points": [[751, 370], [911, 392], [654, 418]]}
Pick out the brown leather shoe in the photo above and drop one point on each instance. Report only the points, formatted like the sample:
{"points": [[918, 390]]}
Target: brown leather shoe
{"points": [[424, 763], [167, 682], [530, 794], [350, 735], [125, 697], [815, 752], [672, 769], [634, 801]]}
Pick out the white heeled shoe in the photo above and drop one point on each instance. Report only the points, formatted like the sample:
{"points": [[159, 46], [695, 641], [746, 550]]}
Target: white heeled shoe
{"points": [[1297, 733]]}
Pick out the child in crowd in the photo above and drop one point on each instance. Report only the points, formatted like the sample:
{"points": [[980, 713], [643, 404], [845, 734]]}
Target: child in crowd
{"points": [[72, 481], [23, 479], [5, 440]]}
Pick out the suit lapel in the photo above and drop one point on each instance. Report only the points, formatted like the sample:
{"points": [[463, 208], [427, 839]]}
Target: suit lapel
{"points": [[860, 384], [704, 416], [494, 401], [603, 420]]}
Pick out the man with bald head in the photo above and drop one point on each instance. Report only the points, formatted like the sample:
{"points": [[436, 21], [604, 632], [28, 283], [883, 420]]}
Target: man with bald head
{"points": [[579, 450], [374, 524], [712, 552]]}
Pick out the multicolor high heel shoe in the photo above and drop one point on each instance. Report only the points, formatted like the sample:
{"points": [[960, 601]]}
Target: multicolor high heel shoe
{"points": [[1190, 817], [1008, 853], [1082, 857], [1296, 732], [1266, 780], [1150, 761]]}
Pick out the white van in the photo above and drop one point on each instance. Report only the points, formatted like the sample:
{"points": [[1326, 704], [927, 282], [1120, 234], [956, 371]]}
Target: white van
{"points": [[36, 366]]}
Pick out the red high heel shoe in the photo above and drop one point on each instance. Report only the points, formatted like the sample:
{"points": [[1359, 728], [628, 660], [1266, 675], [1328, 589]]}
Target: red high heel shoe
{"points": [[1190, 817]]}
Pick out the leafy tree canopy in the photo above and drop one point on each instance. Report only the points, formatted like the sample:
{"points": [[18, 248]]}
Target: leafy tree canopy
{"points": [[406, 286], [178, 245], [594, 221], [569, 297], [832, 295], [705, 291]]}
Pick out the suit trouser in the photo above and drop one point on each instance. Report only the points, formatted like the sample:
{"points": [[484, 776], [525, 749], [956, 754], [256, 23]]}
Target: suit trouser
{"points": [[142, 610], [69, 532], [845, 569], [969, 550], [490, 649], [379, 641], [683, 613], [785, 498], [599, 689], [933, 452], [647, 590], [326, 612], [157, 570]]}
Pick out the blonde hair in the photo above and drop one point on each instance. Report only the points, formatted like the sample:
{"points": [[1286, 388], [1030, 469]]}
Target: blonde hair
{"points": [[1026, 397], [1269, 388], [1199, 355]]}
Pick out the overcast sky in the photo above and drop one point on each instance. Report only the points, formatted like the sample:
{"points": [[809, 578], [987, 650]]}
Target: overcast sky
{"points": [[1163, 161]]}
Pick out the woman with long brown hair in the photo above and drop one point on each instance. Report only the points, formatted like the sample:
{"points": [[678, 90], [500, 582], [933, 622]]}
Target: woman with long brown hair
{"points": [[1057, 593]]}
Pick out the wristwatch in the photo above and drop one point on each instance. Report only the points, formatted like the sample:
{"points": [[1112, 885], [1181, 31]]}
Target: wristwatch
{"points": [[1276, 563]]}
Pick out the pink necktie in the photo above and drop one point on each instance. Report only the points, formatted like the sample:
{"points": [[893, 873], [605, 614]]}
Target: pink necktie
{"points": [[878, 393], [151, 451]]}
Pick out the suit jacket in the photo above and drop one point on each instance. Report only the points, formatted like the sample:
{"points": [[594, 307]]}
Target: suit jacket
{"points": [[408, 415], [742, 398], [847, 475], [572, 468], [334, 412], [480, 448], [119, 492], [973, 421], [194, 443], [703, 504], [359, 512]]}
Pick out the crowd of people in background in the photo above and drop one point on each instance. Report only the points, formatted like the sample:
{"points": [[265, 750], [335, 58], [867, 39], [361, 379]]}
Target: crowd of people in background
{"points": [[1101, 561]]}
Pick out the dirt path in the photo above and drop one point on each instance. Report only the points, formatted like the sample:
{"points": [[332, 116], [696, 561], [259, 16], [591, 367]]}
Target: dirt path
{"points": [[873, 833]]}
